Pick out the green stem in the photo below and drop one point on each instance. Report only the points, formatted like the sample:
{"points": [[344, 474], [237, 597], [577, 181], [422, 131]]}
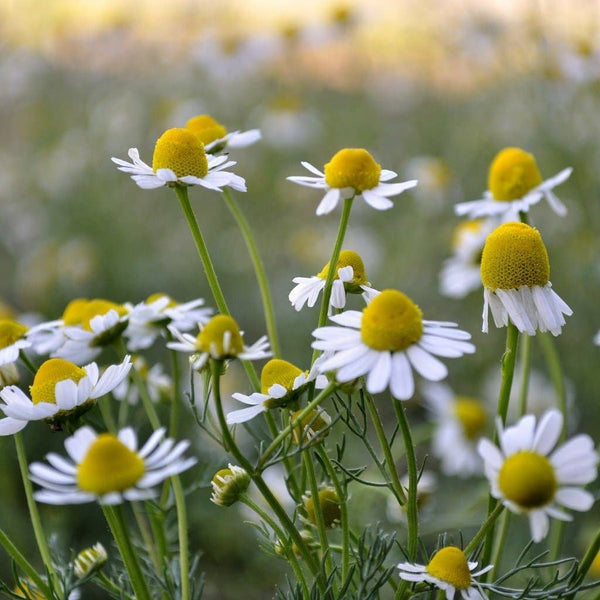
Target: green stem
{"points": [[259, 270], [107, 415], [111, 585], [478, 537], [27, 362], [34, 515], [176, 399], [116, 521], [182, 527], [145, 533], [499, 545], [525, 373], [588, 557]]}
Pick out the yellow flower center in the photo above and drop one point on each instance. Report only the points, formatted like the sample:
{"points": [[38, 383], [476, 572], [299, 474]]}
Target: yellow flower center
{"points": [[450, 565], [181, 151], [154, 297], [349, 258], [464, 229], [10, 332], [278, 371], [73, 311], [109, 466], [472, 416], [210, 339], [49, 374], [513, 173], [514, 255], [392, 321], [206, 128], [354, 168], [528, 479], [330, 507], [93, 308]]}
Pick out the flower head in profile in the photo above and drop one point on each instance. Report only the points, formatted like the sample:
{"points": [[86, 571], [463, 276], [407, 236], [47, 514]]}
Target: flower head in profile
{"points": [[12, 340], [350, 277], [329, 505], [530, 475], [220, 339], [60, 391], [450, 571], [180, 159], [386, 341], [108, 468], [281, 385], [460, 422], [515, 184], [214, 136], [353, 172], [515, 272], [90, 560]]}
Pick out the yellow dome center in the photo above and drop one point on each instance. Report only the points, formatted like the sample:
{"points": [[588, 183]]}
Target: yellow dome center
{"points": [[450, 565], [10, 332], [210, 339], [206, 128], [330, 507], [354, 168], [514, 255], [513, 173], [349, 258], [392, 321], [278, 371], [181, 151], [109, 466], [472, 416], [97, 307], [158, 295], [49, 374], [74, 310], [528, 479]]}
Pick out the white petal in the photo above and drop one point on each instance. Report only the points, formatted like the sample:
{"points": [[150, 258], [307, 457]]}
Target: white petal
{"points": [[244, 414], [538, 524], [425, 364], [402, 383], [376, 201], [575, 498], [379, 374], [329, 202], [548, 432]]}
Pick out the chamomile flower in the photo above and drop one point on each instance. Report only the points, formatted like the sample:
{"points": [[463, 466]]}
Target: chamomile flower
{"points": [[350, 277], [461, 273], [148, 319], [450, 571], [281, 384], [353, 172], [90, 560], [214, 136], [530, 475], [108, 468], [180, 159], [220, 339], [461, 421], [12, 341], [515, 272], [515, 184], [386, 341], [60, 391], [228, 485]]}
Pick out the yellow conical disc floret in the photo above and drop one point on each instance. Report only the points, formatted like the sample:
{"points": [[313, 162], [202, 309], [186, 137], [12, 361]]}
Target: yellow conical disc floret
{"points": [[74, 310], [514, 255], [109, 466], [206, 128], [278, 371], [392, 321], [354, 168], [181, 151], [219, 329], [472, 416], [97, 307], [348, 258], [158, 295], [10, 332], [528, 479], [450, 565], [513, 173], [49, 374]]}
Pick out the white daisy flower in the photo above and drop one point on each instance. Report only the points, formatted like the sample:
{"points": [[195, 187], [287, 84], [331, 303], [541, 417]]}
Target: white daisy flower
{"points": [[450, 571], [90, 560], [147, 320], [12, 341], [220, 339], [281, 384], [460, 422], [350, 172], [214, 136], [515, 272], [180, 158], [350, 277], [60, 391], [228, 485], [386, 341], [461, 273], [108, 468], [158, 383], [529, 475], [515, 185]]}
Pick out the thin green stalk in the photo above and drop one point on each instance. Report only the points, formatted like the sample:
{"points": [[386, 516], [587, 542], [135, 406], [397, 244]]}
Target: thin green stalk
{"points": [[587, 560], [34, 515], [259, 270], [525, 373], [118, 527], [24, 564], [499, 545], [107, 415], [182, 528], [176, 399], [111, 585], [487, 524], [27, 362], [144, 530]]}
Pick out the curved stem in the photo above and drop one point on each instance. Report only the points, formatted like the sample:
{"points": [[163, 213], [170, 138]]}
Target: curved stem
{"points": [[182, 529], [259, 270], [478, 537]]}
